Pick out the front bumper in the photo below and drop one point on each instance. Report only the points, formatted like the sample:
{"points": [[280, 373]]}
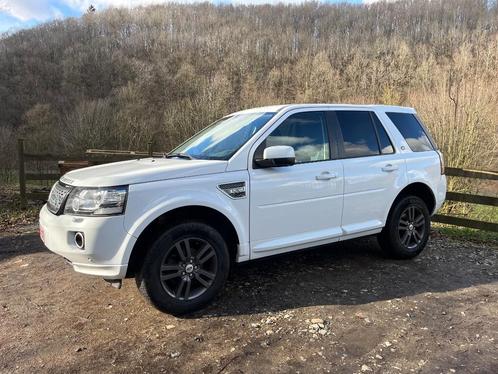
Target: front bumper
{"points": [[106, 242]]}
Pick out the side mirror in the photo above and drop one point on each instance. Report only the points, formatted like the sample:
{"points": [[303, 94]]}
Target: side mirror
{"points": [[277, 155]]}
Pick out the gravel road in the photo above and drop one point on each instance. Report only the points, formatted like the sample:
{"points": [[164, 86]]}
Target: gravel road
{"points": [[340, 308]]}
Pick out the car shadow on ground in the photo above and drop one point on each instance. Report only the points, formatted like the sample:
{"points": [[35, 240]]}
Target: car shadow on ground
{"points": [[354, 272]]}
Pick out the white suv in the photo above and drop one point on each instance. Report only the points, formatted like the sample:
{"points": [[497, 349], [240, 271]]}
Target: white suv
{"points": [[255, 183]]}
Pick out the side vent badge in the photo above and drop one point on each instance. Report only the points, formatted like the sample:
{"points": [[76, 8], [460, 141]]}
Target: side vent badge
{"points": [[235, 190]]}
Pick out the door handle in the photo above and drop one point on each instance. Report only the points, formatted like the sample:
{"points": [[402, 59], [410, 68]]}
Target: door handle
{"points": [[390, 167], [325, 176]]}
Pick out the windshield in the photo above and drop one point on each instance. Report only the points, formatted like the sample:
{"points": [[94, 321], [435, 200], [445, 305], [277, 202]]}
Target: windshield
{"points": [[223, 138]]}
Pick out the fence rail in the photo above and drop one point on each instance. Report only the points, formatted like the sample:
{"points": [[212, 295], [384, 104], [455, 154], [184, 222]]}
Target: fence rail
{"points": [[474, 174], [465, 222], [91, 156], [99, 156], [469, 198], [472, 199]]}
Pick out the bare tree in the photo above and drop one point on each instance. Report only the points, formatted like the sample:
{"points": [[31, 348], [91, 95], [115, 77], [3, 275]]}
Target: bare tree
{"points": [[118, 78]]}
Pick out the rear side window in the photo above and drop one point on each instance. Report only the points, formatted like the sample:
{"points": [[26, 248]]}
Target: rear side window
{"points": [[358, 133], [386, 147], [412, 131]]}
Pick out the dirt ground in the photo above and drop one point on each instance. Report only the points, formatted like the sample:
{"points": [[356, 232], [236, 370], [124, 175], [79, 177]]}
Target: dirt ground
{"points": [[340, 308]]}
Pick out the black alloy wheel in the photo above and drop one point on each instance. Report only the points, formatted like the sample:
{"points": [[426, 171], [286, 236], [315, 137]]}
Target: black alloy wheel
{"points": [[185, 268], [407, 228], [188, 268], [411, 226]]}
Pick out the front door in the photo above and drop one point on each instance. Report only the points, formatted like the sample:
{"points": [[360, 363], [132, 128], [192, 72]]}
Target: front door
{"points": [[293, 206]]}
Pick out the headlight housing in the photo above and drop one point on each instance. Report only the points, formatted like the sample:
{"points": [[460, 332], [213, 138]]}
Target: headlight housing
{"points": [[96, 201]]}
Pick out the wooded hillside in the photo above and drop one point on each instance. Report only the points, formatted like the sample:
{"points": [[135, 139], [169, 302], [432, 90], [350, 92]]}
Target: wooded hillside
{"points": [[119, 78]]}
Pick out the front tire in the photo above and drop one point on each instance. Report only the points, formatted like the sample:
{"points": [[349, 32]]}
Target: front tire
{"points": [[407, 228], [185, 268]]}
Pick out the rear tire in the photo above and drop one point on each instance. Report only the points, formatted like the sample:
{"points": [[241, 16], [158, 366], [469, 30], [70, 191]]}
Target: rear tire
{"points": [[407, 229], [185, 268]]}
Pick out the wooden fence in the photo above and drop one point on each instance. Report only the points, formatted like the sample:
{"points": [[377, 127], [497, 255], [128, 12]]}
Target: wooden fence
{"points": [[90, 157], [97, 156], [470, 198]]}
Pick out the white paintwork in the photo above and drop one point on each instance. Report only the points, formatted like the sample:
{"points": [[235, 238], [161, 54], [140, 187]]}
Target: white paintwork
{"points": [[290, 206], [368, 189], [141, 171], [286, 208], [278, 151], [106, 242]]}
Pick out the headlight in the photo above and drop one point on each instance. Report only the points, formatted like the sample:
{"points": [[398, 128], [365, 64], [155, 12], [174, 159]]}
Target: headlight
{"points": [[104, 201]]}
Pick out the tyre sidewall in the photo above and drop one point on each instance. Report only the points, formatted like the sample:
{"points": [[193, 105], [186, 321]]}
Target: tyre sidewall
{"points": [[149, 279], [395, 247]]}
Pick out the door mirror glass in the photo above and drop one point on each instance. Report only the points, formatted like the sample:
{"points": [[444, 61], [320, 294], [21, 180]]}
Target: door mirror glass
{"points": [[277, 155]]}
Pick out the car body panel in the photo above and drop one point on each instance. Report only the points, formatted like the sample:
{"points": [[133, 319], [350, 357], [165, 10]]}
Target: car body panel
{"points": [[299, 208], [106, 241], [424, 167], [144, 170], [148, 201], [368, 190]]}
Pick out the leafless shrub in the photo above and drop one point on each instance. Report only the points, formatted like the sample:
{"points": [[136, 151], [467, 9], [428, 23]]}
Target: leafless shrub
{"points": [[121, 78]]}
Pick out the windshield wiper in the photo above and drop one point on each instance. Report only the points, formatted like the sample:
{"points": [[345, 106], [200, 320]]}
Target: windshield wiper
{"points": [[180, 155]]}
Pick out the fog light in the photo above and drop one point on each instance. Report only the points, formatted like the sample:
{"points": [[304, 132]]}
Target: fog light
{"points": [[79, 240]]}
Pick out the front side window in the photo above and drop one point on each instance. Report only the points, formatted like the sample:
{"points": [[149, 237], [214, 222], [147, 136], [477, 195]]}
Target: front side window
{"points": [[223, 138], [412, 131], [358, 133], [306, 133]]}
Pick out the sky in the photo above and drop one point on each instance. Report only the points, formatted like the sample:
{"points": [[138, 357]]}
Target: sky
{"points": [[20, 14]]}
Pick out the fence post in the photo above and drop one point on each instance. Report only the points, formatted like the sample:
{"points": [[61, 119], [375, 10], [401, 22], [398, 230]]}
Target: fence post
{"points": [[22, 175], [149, 149]]}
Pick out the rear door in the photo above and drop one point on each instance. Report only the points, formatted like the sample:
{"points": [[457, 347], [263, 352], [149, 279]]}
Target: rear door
{"points": [[294, 206], [373, 172]]}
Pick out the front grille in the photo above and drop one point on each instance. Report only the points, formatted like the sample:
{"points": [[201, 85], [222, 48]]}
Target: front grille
{"points": [[57, 197]]}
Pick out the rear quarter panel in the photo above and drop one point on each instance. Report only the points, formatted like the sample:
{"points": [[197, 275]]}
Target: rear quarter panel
{"points": [[424, 167]]}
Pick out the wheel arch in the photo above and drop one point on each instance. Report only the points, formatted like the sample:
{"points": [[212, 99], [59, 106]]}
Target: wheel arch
{"points": [[419, 189], [208, 215]]}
